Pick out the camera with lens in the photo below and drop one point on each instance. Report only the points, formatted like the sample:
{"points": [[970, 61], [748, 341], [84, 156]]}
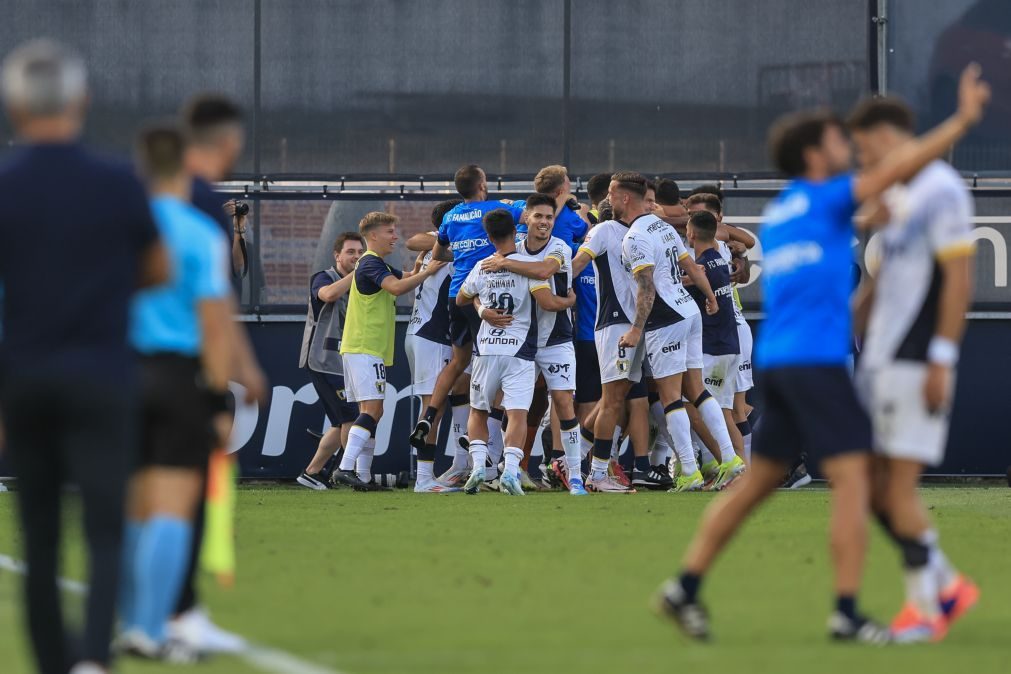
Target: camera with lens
{"points": [[241, 209]]}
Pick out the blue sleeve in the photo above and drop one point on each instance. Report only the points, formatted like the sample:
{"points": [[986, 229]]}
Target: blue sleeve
{"points": [[319, 280], [370, 274], [210, 279], [443, 235], [839, 196], [516, 210]]}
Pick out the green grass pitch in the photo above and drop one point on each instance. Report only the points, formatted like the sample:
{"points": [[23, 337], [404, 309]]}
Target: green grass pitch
{"points": [[548, 583]]}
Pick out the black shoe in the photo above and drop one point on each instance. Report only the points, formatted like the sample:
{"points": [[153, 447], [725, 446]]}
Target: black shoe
{"points": [[653, 479], [420, 434], [797, 478], [690, 617], [315, 481], [349, 478], [860, 630]]}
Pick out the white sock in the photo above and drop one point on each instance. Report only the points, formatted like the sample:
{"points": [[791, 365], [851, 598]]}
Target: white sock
{"points": [[662, 447], [357, 437], [571, 446], [922, 590], [363, 464], [944, 573], [585, 447], [461, 413], [496, 443], [598, 468], [513, 456], [705, 456], [616, 444], [426, 471], [680, 429], [747, 448], [712, 414], [478, 452]]}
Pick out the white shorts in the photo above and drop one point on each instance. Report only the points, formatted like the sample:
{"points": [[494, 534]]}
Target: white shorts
{"points": [[427, 359], [513, 376], [719, 375], [903, 428], [616, 362], [745, 379], [364, 377], [673, 349], [558, 365]]}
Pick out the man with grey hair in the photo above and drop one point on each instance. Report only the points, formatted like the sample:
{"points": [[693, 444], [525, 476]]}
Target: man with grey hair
{"points": [[68, 379]]}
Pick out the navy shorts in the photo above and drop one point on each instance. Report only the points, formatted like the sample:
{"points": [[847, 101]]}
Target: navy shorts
{"points": [[809, 409], [330, 389], [463, 323], [587, 372], [176, 416]]}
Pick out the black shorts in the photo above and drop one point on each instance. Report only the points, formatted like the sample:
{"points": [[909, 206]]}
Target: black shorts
{"points": [[175, 417], [463, 323], [330, 389], [809, 409], [587, 372]]}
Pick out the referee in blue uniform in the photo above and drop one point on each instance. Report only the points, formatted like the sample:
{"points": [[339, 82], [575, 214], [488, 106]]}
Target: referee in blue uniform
{"points": [[69, 266]]}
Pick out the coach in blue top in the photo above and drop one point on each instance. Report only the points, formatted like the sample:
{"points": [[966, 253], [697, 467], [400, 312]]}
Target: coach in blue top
{"points": [[804, 345], [182, 331], [76, 240]]}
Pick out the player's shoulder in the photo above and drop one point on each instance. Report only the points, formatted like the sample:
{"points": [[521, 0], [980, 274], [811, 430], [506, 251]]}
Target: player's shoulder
{"points": [[939, 176]]}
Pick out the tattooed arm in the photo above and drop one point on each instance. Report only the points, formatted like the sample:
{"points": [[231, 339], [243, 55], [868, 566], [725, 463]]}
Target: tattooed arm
{"points": [[644, 296]]}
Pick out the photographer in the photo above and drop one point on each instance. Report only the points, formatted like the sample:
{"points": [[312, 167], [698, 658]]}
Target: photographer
{"points": [[239, 211]]}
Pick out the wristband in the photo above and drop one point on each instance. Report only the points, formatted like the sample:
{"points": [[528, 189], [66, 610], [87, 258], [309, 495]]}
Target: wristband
{"points": [[480, 314], [942, 351]]}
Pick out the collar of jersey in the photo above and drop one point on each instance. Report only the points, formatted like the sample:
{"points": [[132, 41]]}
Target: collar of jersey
{"points": [[629, 224]]}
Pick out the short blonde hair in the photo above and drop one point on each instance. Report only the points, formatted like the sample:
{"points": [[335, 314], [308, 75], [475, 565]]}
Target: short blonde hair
{"points": [[550, 178], [376, 219]]}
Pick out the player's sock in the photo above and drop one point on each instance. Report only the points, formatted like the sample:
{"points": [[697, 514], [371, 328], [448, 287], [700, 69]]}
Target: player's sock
{"points": [[363, 464], [601, 458], [496, 443], [616, 443], [847, 605], [712, 415], [570, 441], [163, 553], [680, 429], [585, 442], [360, 432], [460, 414], [662, 448], [426, 464], [745, 428], [430, 414], [943, 571], [513, 456], [478, 452], [127, 581], [921, 584], [705, 456], [690, 584], [642, 463]]}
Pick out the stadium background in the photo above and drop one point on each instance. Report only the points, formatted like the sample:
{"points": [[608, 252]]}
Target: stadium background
{"points": [[371, 106]]}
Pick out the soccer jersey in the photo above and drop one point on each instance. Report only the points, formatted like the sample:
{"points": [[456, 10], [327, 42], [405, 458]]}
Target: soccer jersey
{"points": [[651, 242], [509, 292], [585, 285], [719, 331], [369, 325], [430, 316], [568, 226], [931, 219], [463, 233], [615, 295], [807, 234], [166, 319], [553, 327], [724, 251]]}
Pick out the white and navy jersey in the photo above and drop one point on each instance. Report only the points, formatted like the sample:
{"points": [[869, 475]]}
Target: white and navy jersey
{"points": [[931, 220], [553, 327], [511, 293], [430, 317], [615, 293], [651, 242], [719, 331]]}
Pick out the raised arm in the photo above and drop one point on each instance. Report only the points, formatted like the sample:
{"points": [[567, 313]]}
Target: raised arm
{"points": [[541, 270], [399, 286], [580, 261], [336, 290], [906, 161], [422, 242], [548, 301], [731, 233]]}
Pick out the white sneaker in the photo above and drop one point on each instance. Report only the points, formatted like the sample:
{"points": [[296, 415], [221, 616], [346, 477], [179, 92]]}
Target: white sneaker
{"points": [[433, 487], [87, 667], [135, 642], [195, 629], [453, 477]]}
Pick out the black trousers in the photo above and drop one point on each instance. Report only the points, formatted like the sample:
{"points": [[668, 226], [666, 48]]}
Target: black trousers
{"points": [[61, 431]]}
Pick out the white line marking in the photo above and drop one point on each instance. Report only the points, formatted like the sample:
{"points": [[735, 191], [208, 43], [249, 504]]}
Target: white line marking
{"points": [[261, 657]]}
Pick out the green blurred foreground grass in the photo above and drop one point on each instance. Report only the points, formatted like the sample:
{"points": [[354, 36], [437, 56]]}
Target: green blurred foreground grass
{"points": [[398, 582]]}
